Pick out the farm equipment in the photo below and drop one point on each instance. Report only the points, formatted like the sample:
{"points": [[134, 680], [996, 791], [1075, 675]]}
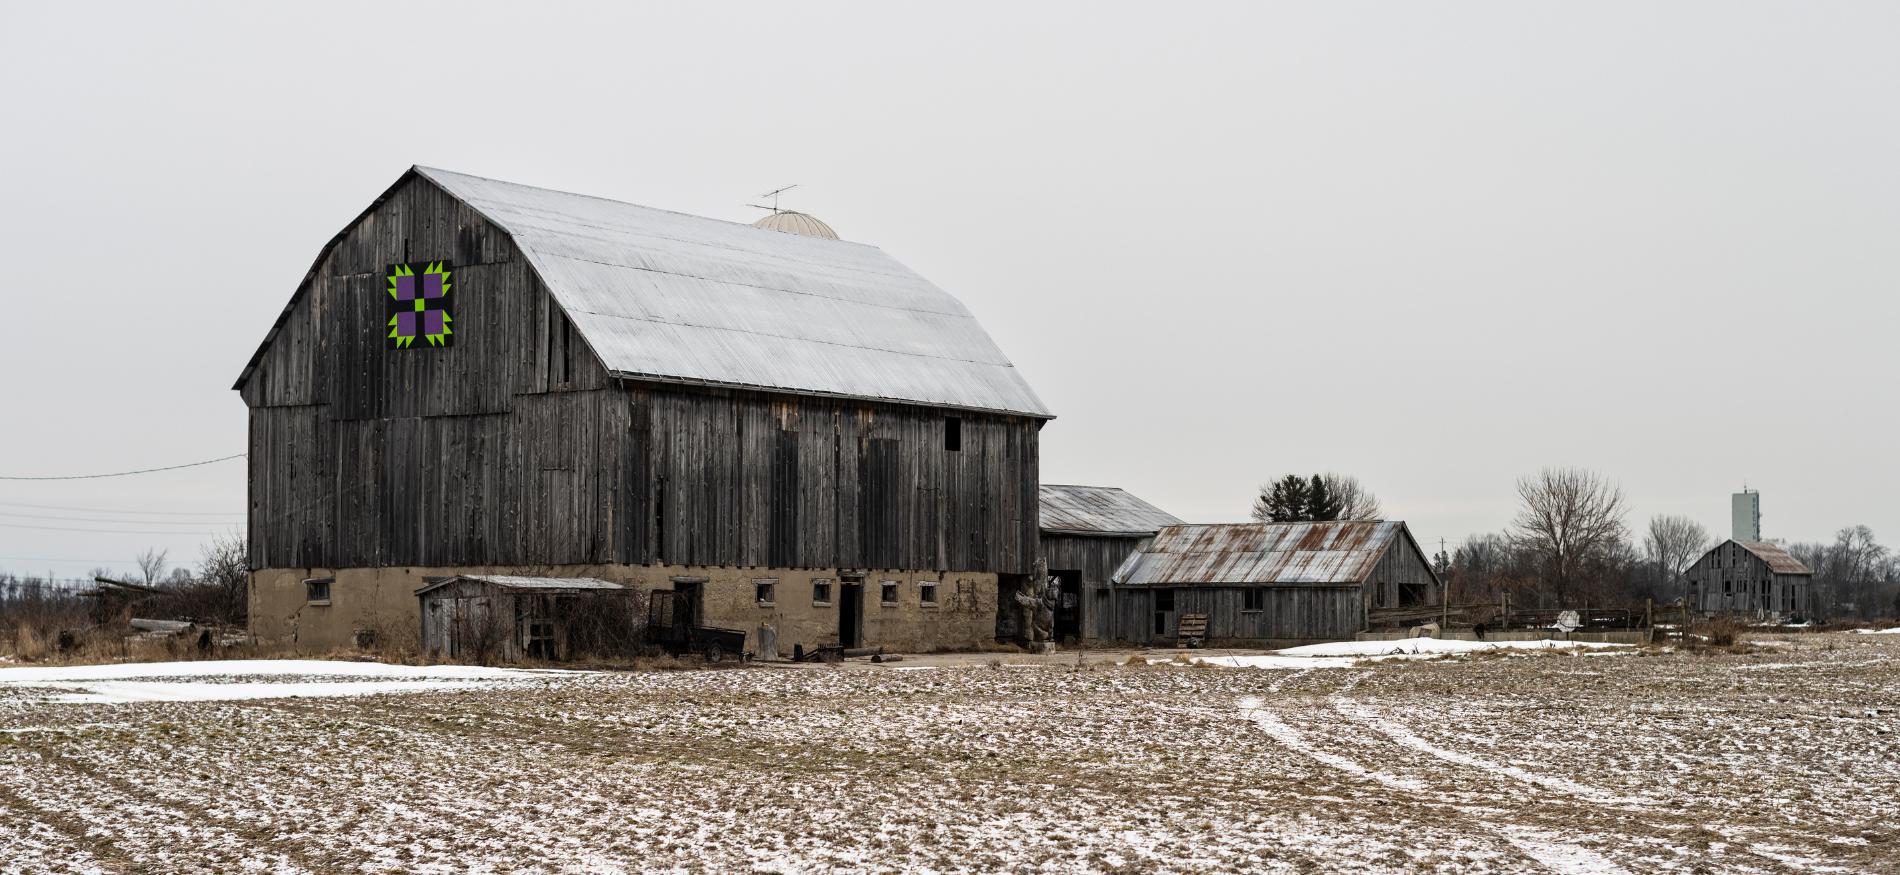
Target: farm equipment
{"points": [[671, 627]]}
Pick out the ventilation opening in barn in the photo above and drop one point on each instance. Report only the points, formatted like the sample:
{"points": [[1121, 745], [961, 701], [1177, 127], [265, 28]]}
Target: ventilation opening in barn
{"points": [[952, 433], [1412, 594]]}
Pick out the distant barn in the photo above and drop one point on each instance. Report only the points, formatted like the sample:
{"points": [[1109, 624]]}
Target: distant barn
{"points": [[1270, 584], [481, 378], [1087, 531], [1757, 578]]}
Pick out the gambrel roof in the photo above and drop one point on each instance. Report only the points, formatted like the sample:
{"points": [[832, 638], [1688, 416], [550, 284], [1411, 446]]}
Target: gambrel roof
{"points": [[1316, 553], [675, 298]]}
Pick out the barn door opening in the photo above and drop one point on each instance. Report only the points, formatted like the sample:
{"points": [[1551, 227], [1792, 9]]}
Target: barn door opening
{"points": [[1164, 613], [690, 608], [1068, 604], [850, 614]]}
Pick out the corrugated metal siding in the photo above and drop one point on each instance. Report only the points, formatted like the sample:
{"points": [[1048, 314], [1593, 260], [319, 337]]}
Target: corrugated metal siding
{"points": [[1289, 553], [1101, 510], [675, 297]]}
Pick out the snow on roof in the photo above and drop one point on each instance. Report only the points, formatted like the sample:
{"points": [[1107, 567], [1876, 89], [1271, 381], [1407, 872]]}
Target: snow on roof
{"points": [[1098, 510], [1339, 552], [671, 297]]}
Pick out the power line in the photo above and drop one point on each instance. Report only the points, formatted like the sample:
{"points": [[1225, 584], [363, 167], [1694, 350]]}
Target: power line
{"points": [[117, 510], [98, 531], [81, 519], [126, 473]]}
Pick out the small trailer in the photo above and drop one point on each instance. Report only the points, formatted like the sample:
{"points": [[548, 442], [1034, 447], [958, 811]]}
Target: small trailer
{"points": [[671, 627]]}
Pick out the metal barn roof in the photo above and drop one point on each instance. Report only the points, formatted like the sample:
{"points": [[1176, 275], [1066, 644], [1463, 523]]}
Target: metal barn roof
{"points": [[1259, 553], [513, 582], [680, 298], [1779, 561], [1099, 510]]}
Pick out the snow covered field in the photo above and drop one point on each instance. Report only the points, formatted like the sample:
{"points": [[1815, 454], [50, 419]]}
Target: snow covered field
{"points": [[1513, 760]]}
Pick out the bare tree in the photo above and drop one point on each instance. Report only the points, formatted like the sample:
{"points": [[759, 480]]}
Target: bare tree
{"points": [[1673, 543], [1356, 502], [152, 565], [1570, 522]]}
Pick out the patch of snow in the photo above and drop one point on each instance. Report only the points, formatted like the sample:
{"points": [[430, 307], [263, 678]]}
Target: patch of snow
{"points": [[1428, 646], [1290, 662], [257, 668], [134, 682], [1893, 631]]}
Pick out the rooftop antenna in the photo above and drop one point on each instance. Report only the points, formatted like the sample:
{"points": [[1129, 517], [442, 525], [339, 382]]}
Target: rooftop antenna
{"points": [[774, 196]]}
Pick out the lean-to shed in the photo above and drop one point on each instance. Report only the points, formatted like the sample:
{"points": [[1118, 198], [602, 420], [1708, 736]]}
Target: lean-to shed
{"points": [[507, 617], [1087, 531], [1270, 584]]}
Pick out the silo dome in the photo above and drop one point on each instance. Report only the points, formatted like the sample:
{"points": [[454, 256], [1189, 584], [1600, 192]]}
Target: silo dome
{"points": [[796, 223]]}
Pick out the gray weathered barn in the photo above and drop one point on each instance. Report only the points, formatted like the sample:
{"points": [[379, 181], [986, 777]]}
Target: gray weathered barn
{"points": [[479, 377], [1270, 584], [1751, 577], [1087, 531]]}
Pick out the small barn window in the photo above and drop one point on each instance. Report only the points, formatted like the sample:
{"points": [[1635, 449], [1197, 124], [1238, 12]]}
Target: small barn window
{"points": [[952, 433], [927, 592], [1164, 600], [821, 591], [316, 590], [890, 592], [1254, 600], [765, 589]]}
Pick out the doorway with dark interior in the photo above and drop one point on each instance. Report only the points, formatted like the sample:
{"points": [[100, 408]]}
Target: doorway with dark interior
{"points": [[1068, 604], [851, 613]]}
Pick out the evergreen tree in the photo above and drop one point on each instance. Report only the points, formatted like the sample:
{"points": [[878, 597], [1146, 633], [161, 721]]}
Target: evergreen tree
{"points": [[1284, 501], [1321, 504]]}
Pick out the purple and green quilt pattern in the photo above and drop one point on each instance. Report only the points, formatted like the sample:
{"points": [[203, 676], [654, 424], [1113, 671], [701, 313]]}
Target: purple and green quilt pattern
{"points": [[420, 307]]}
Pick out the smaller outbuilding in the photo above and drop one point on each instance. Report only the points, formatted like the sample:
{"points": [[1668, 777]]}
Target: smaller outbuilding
{"points": [[1270, 584], [506, 618], [1086, 532], [1758, 578]]}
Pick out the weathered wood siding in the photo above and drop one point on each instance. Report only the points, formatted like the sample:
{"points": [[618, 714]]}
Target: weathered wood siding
{"points": [[515, 447], [1731, 578], [1401, 563], [1097, 558]]}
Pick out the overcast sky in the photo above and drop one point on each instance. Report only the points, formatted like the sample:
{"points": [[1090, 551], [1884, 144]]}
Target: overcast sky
{"points": [[1437, 246]]}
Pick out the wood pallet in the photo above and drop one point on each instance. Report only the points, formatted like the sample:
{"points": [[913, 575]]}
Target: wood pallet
{"points": [[1191, 631]]}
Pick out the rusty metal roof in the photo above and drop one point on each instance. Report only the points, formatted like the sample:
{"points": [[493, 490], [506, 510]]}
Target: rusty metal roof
{"points": [[1341, 552], [1099, 510], [1779, 561]]}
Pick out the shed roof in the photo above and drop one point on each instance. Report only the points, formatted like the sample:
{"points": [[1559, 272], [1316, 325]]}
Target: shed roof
{"points": [[512, 582], [1779, 561], [672, 297], [1098, 510], [1341, 552]]}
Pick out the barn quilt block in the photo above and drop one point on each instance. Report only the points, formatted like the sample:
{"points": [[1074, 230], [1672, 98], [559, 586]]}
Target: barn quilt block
{"points": [[420, 306]]}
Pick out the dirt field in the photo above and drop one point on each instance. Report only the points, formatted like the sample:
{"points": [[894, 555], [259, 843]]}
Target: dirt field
{"points": [[1778, 760]]}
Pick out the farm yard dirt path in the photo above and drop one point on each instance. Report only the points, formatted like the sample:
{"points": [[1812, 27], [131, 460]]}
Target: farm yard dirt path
{"points": [[1781, 760]]}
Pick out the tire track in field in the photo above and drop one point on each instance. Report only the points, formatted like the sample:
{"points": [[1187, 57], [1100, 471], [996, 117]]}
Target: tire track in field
{"points": [[1649, 809], [1542, 848]]}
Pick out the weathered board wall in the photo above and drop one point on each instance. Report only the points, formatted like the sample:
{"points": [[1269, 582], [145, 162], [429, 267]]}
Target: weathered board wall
{"points": [[1288, 612], [1096, 557], [515, 447], [1730, 578], [1401, 563]]}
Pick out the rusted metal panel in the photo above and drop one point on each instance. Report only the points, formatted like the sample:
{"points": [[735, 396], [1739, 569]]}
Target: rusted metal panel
{"points": [[1328, 553], [1099, 510]]}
